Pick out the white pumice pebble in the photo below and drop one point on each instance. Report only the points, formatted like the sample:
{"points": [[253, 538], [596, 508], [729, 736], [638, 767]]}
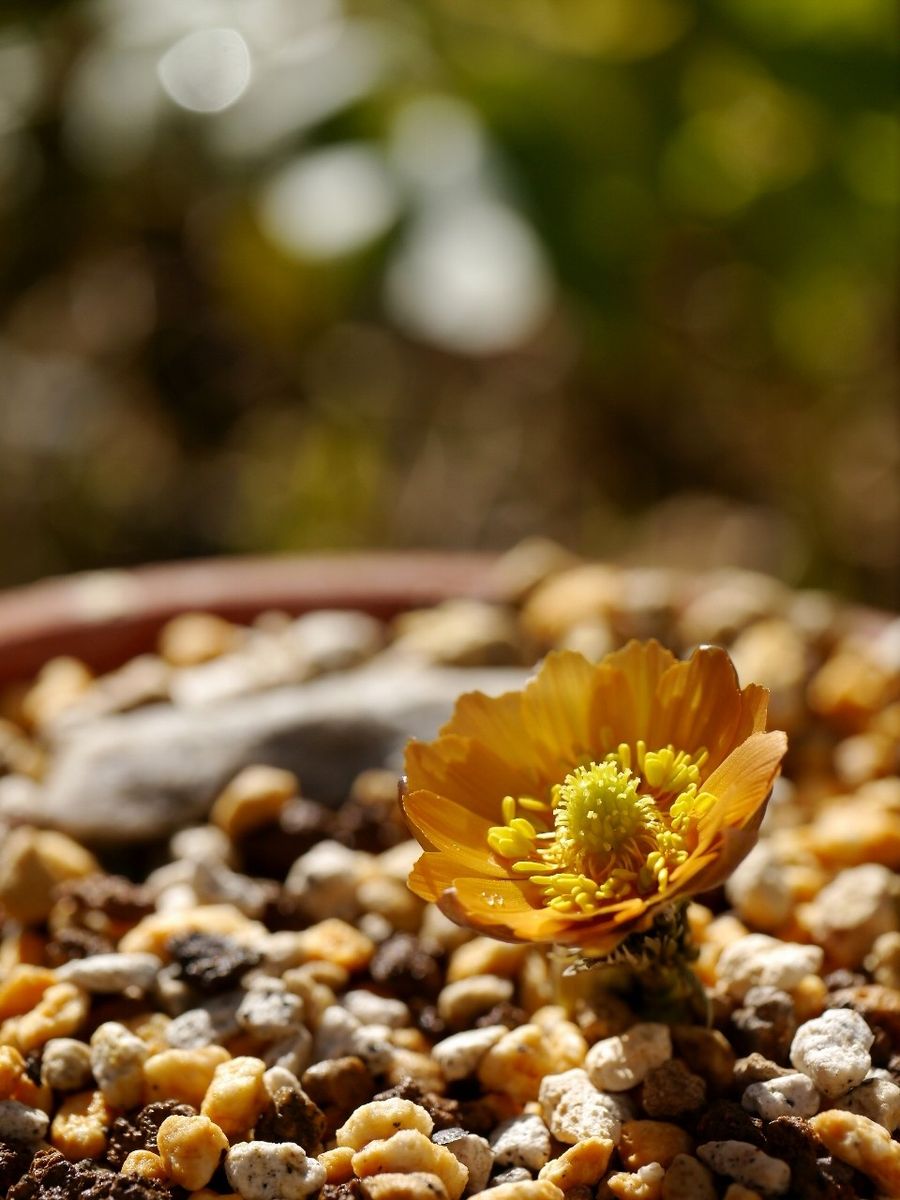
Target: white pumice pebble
{"points": [[521, 1142], [66, 1064], [617, 1064], [21, 1122], [472, 1151], [878, 1099], [759, 960], [111, 972], [786, 1096], [459, 1055], [273, 1171], [833, 1050], [574, 1109], [377, 1010], [748, 1165], [117, 1061]]}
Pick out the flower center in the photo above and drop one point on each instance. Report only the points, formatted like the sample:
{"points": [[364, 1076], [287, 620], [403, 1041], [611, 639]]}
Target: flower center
{"points": [[610, 830]]}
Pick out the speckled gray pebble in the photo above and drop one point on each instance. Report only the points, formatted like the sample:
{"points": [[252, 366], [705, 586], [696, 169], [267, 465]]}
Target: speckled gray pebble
{"points": [[747, 1164], [273, 1171], [270, 1013], [472, 1151], [787, 1096], [111, 972], [21, 1122], [513, 1175], [521, 1142], [833, 1050], [213, 1021]]}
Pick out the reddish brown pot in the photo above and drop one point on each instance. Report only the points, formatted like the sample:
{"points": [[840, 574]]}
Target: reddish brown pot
{"points": [[106, 617]]}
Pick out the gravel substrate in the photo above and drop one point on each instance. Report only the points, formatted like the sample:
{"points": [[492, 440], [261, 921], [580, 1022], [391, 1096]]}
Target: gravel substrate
{"points": [[231, 991]]}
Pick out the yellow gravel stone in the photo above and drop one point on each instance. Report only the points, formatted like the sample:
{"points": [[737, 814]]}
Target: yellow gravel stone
{"points": [[32, 863], [643, 1142], [151, 1028], [381, 1119], [80, 1126], [183, 1075], [59, 1013], [533, 1189], [420, 1185], [583, 1163], [236, 1095], [810, 997], [863, 1144], [22, 988], [338, 1164], [197, 637], [255, 797], [409, 1151], [485, 956], [517, 1063], [336, 942], [645, 1184], [145, 1165], [16, 1084], [191, 1149]]}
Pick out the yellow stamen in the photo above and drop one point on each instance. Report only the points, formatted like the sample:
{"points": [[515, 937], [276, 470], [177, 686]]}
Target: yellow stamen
{"points": [[619, 828]]}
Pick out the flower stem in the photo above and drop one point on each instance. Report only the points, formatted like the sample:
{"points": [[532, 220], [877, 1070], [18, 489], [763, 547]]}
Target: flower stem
{"points": [[650, 970]]}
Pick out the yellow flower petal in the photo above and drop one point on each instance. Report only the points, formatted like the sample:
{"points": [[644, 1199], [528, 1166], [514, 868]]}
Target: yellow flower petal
{"points": [[501, 910], [743, 781], [557, 713], [466, 770], [433, 874], [457, 831]]}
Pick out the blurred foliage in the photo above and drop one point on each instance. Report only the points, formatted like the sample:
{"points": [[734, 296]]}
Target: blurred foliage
{"points": [[278, 274]]}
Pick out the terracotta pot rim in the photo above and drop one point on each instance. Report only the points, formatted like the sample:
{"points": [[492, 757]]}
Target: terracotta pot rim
{"points": [[106, 617]]}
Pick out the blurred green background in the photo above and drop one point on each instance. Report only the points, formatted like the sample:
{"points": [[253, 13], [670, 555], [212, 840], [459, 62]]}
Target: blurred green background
{"points": [[288, 274]]}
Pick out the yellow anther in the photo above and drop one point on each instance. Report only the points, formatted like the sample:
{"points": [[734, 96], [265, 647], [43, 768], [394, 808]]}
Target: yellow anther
{"points": [[508, 808], [531, 805]]}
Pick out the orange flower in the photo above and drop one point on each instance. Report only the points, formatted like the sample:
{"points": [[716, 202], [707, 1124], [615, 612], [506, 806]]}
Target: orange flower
{"points": [[572, 811]]}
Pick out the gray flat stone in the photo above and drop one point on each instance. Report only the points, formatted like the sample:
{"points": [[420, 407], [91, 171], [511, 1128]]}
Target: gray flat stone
{"points": [[145, 774]]}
